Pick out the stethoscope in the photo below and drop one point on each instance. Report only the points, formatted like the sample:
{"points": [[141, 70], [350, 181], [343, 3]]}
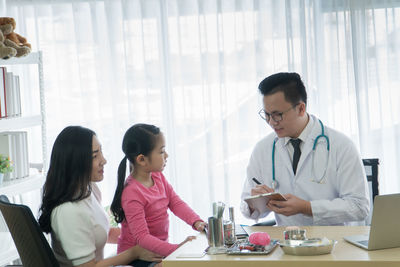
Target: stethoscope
{"points": [[274, 183]]}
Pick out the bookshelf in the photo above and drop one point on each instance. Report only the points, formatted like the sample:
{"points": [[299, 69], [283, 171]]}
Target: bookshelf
{"points": [[22, 185], [20, 122], [29, 119]]}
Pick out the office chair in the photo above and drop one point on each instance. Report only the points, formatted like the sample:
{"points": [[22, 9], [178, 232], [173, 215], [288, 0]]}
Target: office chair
{"points": [[371, 170], [32, 246], [4, 198]]}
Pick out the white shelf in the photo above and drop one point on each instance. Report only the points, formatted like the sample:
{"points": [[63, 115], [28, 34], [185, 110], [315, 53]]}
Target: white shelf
{"points": [[8, 252], [31, 58], [16, 123], [22, 185]]}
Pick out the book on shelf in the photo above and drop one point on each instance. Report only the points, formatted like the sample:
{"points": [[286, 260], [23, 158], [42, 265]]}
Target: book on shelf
{"points": [[15, 145], [3, 106], [10, 95], [6, 149], [17, 97]]}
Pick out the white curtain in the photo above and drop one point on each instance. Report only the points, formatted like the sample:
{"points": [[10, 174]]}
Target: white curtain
{"points": [[192, 67]]}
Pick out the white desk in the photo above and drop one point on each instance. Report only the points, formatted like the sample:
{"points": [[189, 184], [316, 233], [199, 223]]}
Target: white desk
{"points": [[344, 254]]}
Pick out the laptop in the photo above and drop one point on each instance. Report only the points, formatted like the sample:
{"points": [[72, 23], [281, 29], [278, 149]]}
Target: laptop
{"points": [[384, 231]]}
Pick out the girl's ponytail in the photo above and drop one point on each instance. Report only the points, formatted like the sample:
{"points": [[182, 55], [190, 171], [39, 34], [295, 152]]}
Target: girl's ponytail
{"points": [[139, 139], [116, 207]]}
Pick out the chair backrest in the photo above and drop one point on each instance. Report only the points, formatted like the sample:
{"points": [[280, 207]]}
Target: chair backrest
{"points": [[4, 198], [32, 246], [371, 170]]}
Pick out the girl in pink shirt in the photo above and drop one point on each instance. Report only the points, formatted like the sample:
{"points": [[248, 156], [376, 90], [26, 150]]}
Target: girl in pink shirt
{"points": [[141, 201]]}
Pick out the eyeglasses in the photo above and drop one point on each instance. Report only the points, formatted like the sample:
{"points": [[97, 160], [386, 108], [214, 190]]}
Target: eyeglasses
{"points": [[276, 116]]}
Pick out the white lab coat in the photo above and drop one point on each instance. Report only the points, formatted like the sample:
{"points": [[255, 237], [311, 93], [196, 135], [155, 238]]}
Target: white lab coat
{"points": [[342, 196]]}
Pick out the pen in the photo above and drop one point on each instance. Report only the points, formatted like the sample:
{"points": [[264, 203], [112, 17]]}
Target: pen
{"points": [[256, 181]]}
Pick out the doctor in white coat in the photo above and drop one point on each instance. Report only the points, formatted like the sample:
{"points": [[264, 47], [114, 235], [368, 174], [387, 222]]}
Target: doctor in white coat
{"points": [[324, 181]]}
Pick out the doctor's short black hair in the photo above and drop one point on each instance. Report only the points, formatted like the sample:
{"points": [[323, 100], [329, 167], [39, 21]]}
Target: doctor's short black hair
{"points": [[289, 83]]}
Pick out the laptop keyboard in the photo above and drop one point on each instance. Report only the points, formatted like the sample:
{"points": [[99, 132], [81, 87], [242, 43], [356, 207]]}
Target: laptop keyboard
{"points": [[364, 242]]}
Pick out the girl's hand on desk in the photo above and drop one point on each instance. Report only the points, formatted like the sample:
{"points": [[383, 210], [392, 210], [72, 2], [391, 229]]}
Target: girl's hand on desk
{"points": [[200, 225], [189, 238]]}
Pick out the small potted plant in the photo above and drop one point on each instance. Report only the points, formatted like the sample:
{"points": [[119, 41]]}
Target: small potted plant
{"points": [[5, 166]]}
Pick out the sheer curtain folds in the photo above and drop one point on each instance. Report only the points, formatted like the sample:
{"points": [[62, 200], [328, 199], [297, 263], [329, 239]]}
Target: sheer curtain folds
{"points": [[192, 67]]}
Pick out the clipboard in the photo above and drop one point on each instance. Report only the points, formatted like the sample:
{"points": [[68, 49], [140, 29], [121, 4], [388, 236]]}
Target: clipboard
{"points": [[259, 202]]}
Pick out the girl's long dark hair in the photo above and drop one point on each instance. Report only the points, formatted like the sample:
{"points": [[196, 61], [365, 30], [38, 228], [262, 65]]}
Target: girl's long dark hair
{"points": [[68, 178], [139, 139]]}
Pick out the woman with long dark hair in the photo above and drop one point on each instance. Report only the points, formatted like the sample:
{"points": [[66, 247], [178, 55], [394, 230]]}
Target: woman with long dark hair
{"points": [[71, 209]]}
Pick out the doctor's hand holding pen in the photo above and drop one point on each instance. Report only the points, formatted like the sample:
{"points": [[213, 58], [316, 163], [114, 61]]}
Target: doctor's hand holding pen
{"points": [[260, 188], [292, 206]]}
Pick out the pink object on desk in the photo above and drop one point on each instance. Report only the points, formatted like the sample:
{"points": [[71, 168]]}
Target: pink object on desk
{"points": [[260, 238]]}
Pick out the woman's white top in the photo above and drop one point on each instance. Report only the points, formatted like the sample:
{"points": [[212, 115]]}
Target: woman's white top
{"points": [[79, 230]]}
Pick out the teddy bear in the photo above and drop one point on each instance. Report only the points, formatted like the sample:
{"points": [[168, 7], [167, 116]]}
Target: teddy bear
{"points": [[5, 51], [15, 40]]}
